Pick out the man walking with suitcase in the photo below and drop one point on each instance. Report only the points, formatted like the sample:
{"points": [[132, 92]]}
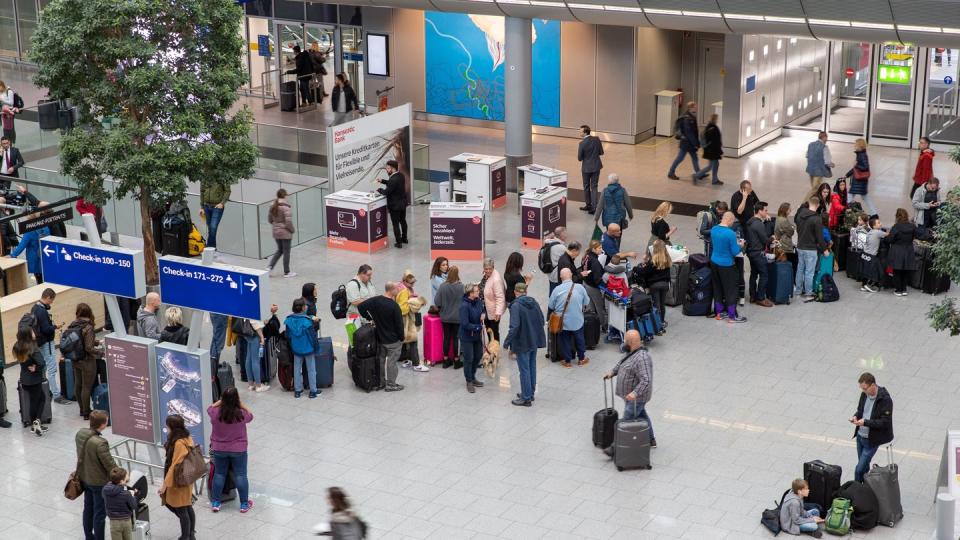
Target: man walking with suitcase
{"points": [[873, 421], [634, 375]]}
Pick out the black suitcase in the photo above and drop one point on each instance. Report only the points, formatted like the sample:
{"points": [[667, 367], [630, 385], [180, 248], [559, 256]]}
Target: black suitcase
{"points": [[632, 444], [841, 245], [365, 370], [288, 96], [854, 264], [923, 261], [175, 239], [824, 481], [46, 415], [679, 278], [605, 420], [934, 282], [591, 329], [698, 301], [365, 341], [553, 347]]}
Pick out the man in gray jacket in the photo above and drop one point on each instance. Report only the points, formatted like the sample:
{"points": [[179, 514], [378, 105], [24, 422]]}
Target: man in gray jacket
{"points": [[926, 201], [148, 322], [794, 519], [634, 375]]}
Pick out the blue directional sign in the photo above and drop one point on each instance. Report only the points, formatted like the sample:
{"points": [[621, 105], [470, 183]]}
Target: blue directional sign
{"points": [[948, 80], [219, 288], [106, 269]]}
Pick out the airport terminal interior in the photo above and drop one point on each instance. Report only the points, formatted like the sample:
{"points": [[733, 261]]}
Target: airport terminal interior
{"points": [[738, 409]]}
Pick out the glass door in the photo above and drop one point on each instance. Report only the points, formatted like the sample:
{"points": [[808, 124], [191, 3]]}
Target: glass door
{"points": [[895, 82], [351, 45], [849, 85], [941, 101]]}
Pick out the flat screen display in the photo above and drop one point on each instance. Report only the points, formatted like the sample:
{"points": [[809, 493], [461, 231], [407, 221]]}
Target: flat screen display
{"points": [[378, 55]]}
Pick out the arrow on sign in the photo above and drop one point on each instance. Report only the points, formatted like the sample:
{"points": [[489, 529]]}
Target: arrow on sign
{"points": [[47, 251], [252, 284]]}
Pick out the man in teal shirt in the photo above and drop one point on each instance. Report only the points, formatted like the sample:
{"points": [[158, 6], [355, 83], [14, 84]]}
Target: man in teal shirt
{"points": [[726, 246]]}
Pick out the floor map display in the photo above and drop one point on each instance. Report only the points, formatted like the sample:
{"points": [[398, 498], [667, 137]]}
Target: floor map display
{"points": [[465, 67], [182, 381], [130, 377]]}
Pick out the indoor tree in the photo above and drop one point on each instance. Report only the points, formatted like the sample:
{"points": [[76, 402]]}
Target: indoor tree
{"points": [[166, 73], [946, 253]]}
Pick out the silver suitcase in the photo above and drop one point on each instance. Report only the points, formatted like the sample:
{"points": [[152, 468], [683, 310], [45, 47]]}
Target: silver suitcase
{"points": [[141, 530], [631, 442], [884, 480]]}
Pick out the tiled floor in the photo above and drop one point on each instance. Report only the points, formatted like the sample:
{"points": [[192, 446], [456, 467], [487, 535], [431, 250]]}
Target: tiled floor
{"points": [[737, 409]]}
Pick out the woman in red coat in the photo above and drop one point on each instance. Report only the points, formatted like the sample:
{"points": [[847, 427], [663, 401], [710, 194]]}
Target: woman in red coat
{"points": [[924, 169], [838, 202]]}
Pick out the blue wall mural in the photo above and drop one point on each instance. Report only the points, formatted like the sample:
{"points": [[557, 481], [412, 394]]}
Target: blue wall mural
{"points": [[464, 65]]}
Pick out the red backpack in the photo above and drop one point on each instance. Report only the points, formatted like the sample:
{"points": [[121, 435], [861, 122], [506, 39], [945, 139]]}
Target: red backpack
{"points": [[618, 285]]}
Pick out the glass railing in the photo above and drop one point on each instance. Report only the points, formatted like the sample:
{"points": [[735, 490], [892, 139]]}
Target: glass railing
{"points": [[290, 149], [29, 135], [421, 172]]}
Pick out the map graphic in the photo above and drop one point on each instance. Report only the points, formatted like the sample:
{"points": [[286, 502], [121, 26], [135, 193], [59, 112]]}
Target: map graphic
{"points": [[465, 63]]}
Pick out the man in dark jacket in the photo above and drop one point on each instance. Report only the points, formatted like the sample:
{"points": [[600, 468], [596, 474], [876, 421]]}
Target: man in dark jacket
{"points": [[757, 240], [384, 311], [95, 464], [395, 191], [526, 335], [569, 260], [689, 135], [304, 72], [588, 154], [714, 213], [743, 202], [809, 242], [873, 421], [45, 331]]}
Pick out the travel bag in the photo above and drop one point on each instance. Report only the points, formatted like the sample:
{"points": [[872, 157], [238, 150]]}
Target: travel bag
{"points": [[865, 505], [175, 238], [699, 299], [553, 347], [837, 520], [632, 443], [365, 370], [841, 245], [100, 398], [365, 341], [779, 282], [770, 517], [324, 358], [591, 329], [66, 379], [884, 480], [605, 420], [931, 281], [679, 277], [46, 414], [854, 264], [824, 481], [224, 378], [268, 360], [141, 530], [698, 261], [432, 339], [229, 491]]}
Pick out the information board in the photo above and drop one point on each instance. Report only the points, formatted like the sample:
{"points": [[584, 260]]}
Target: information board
{"points": [[219, 288], [106, 269], [456, 231], [183, 379], [131, 378]]}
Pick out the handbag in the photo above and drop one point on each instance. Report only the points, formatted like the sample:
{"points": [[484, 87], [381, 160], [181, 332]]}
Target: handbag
{"points": [[862, 176], [191, 469], [74, 488], [556, 318]]}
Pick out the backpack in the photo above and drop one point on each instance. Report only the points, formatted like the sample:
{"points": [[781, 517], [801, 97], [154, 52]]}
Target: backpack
{"points": [[195, 242], [71, 342], [242, 327], [826, 290], [29, 320], [618, 286], [338, 301], [838, 517], [770, 518], [544, 260], [17, 101], [703, 217], [177, 214]]}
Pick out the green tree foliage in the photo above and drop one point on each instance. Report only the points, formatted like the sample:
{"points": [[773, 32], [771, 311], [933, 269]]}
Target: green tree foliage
{"points": [[166, 72], [946, 252]]}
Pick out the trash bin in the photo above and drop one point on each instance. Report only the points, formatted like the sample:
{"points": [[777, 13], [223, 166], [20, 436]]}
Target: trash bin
{"points": [[288, 96]]}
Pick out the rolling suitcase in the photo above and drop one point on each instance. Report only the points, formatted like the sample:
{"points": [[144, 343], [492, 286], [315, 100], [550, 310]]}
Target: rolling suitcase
{"points": [[884, 480], [324, 359], [824, 481], [141, 530], [841, 246], [632, 444], [553, 347], [100, 398], [285, 376], [679, 278], [932, 282], [365, 370], [780, 282], [288, 96], [854, 264], [922, 257], [432, 339], [699, 299], [46, 415], [605, 420], [591, 329], [66, 379], [268, 361], [224, 377], [229, 491], [175, 239]]}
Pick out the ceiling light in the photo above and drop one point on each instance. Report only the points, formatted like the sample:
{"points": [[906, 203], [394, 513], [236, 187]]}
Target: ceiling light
{"points": [[750, 56], [585, 6], [829, 22], [951, 30], [743, 17], [794, 20], [546, 4], [763, 123], [779, 44], [519, 2], [701, 14], [676, 12], [628, 9], [766, 49], [793, 41], [913, 28], [877, 26], [790, 110], [749, 130]]}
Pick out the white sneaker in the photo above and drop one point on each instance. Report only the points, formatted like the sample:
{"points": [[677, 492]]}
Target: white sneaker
{"points": [[421, 368], [869, 288], [406, 364], [262, 388], [742, 301], [290, 274]]}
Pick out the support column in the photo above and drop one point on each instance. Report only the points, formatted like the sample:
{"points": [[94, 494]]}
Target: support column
{"points": [[517, 97]]}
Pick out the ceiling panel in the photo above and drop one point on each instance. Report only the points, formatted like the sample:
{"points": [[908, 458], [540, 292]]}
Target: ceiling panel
{"points": [[849, 34], [463, 6], [709, 6], [769, 28], [782, 8], [927, 12], [698, 24], [871, 11], [527, 11]]}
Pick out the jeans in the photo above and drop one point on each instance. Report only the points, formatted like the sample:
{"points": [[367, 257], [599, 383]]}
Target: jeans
{"points": [[806, 267], [810, 527], [472, 351], [572, 339], [188, 521], [635, 409], [283, 248], [252, 359], [590, 182], [867, 203], [865, 454], [450, 331], [758, 276], [389, 353], [94, 512], [684, 150], [212, 214], [298, 361], [527, 364], [398, 218], [219, 324], [52, 368], [223, 462], [713, 168]]}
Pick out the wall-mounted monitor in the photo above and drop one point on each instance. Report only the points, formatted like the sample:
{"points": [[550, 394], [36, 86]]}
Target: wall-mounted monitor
{"points": [[378, 55], [751, 84]]}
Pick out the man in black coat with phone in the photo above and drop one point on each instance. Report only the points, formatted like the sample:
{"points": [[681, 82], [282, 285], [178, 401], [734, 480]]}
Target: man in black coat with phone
{"points": [[873, 422], [588, 154], [395, 190]]}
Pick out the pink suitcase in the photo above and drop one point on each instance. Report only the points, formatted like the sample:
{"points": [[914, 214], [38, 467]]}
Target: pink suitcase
{"points": [[432, 339]]}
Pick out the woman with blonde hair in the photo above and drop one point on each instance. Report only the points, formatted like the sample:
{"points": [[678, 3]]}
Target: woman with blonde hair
{"points": [[654, 273], [175, 331], [659, 228], [859, 176], [593, 261], [410, 305]]}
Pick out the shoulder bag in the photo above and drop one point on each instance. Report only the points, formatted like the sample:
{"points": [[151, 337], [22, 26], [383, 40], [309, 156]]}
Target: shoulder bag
{"points": [[74, 488], [556, 318], [191, 469]]}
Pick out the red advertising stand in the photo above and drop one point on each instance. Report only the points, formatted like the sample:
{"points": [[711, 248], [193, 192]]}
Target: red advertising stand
{"points": [[541, 211], [356, 221], [456, 231]]}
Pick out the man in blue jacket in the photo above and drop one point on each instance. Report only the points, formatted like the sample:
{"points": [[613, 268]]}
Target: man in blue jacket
{"points": [[569, 298], [526, 335], [689, 135]]}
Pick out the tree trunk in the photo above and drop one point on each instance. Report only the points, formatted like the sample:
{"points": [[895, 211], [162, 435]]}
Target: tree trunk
{"points": [[150, 268]]}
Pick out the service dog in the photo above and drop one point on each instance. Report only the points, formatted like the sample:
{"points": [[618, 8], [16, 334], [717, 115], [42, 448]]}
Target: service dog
{"points": [[490, 360]]}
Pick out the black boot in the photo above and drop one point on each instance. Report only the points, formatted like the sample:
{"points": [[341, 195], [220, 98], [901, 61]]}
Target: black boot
{"points": [[457, 364], [447, 363]]}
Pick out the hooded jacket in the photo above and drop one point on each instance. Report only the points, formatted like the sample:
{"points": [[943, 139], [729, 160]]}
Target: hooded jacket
{"points": [[178, 334], [119, 502], [881, 418], [792, 514], [470, 325], [448, 299], [526, 326], [148, 325], [300, 334], [809, 230]]}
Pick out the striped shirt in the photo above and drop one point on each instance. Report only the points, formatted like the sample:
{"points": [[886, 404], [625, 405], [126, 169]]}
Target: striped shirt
{"points": [[635, 374]]}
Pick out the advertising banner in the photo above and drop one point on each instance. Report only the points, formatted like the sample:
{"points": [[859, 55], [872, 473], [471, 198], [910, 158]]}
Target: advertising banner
{"points": [[498, 187], [183, 379], [541, 211], [131, 378], [359, 150], [356, 221], [456, 231]]}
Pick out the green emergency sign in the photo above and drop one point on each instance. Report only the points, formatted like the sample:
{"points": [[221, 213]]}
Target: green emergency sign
{"points": [[894, 74]]}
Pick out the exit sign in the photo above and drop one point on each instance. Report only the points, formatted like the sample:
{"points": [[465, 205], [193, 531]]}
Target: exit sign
{"points": [[894, 74]]}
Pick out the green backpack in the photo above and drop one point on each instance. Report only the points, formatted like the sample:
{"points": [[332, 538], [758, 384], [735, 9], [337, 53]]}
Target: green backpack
{"points": [[838, 517]]}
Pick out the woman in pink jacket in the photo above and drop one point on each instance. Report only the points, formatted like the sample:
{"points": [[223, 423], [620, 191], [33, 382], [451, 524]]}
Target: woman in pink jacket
{"points": [[494, 294], [280, 217]]}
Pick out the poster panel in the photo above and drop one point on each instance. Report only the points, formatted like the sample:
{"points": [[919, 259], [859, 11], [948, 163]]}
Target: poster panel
{"points": [[183, 379], [132, 382], [359, 150], [456, 231]]}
